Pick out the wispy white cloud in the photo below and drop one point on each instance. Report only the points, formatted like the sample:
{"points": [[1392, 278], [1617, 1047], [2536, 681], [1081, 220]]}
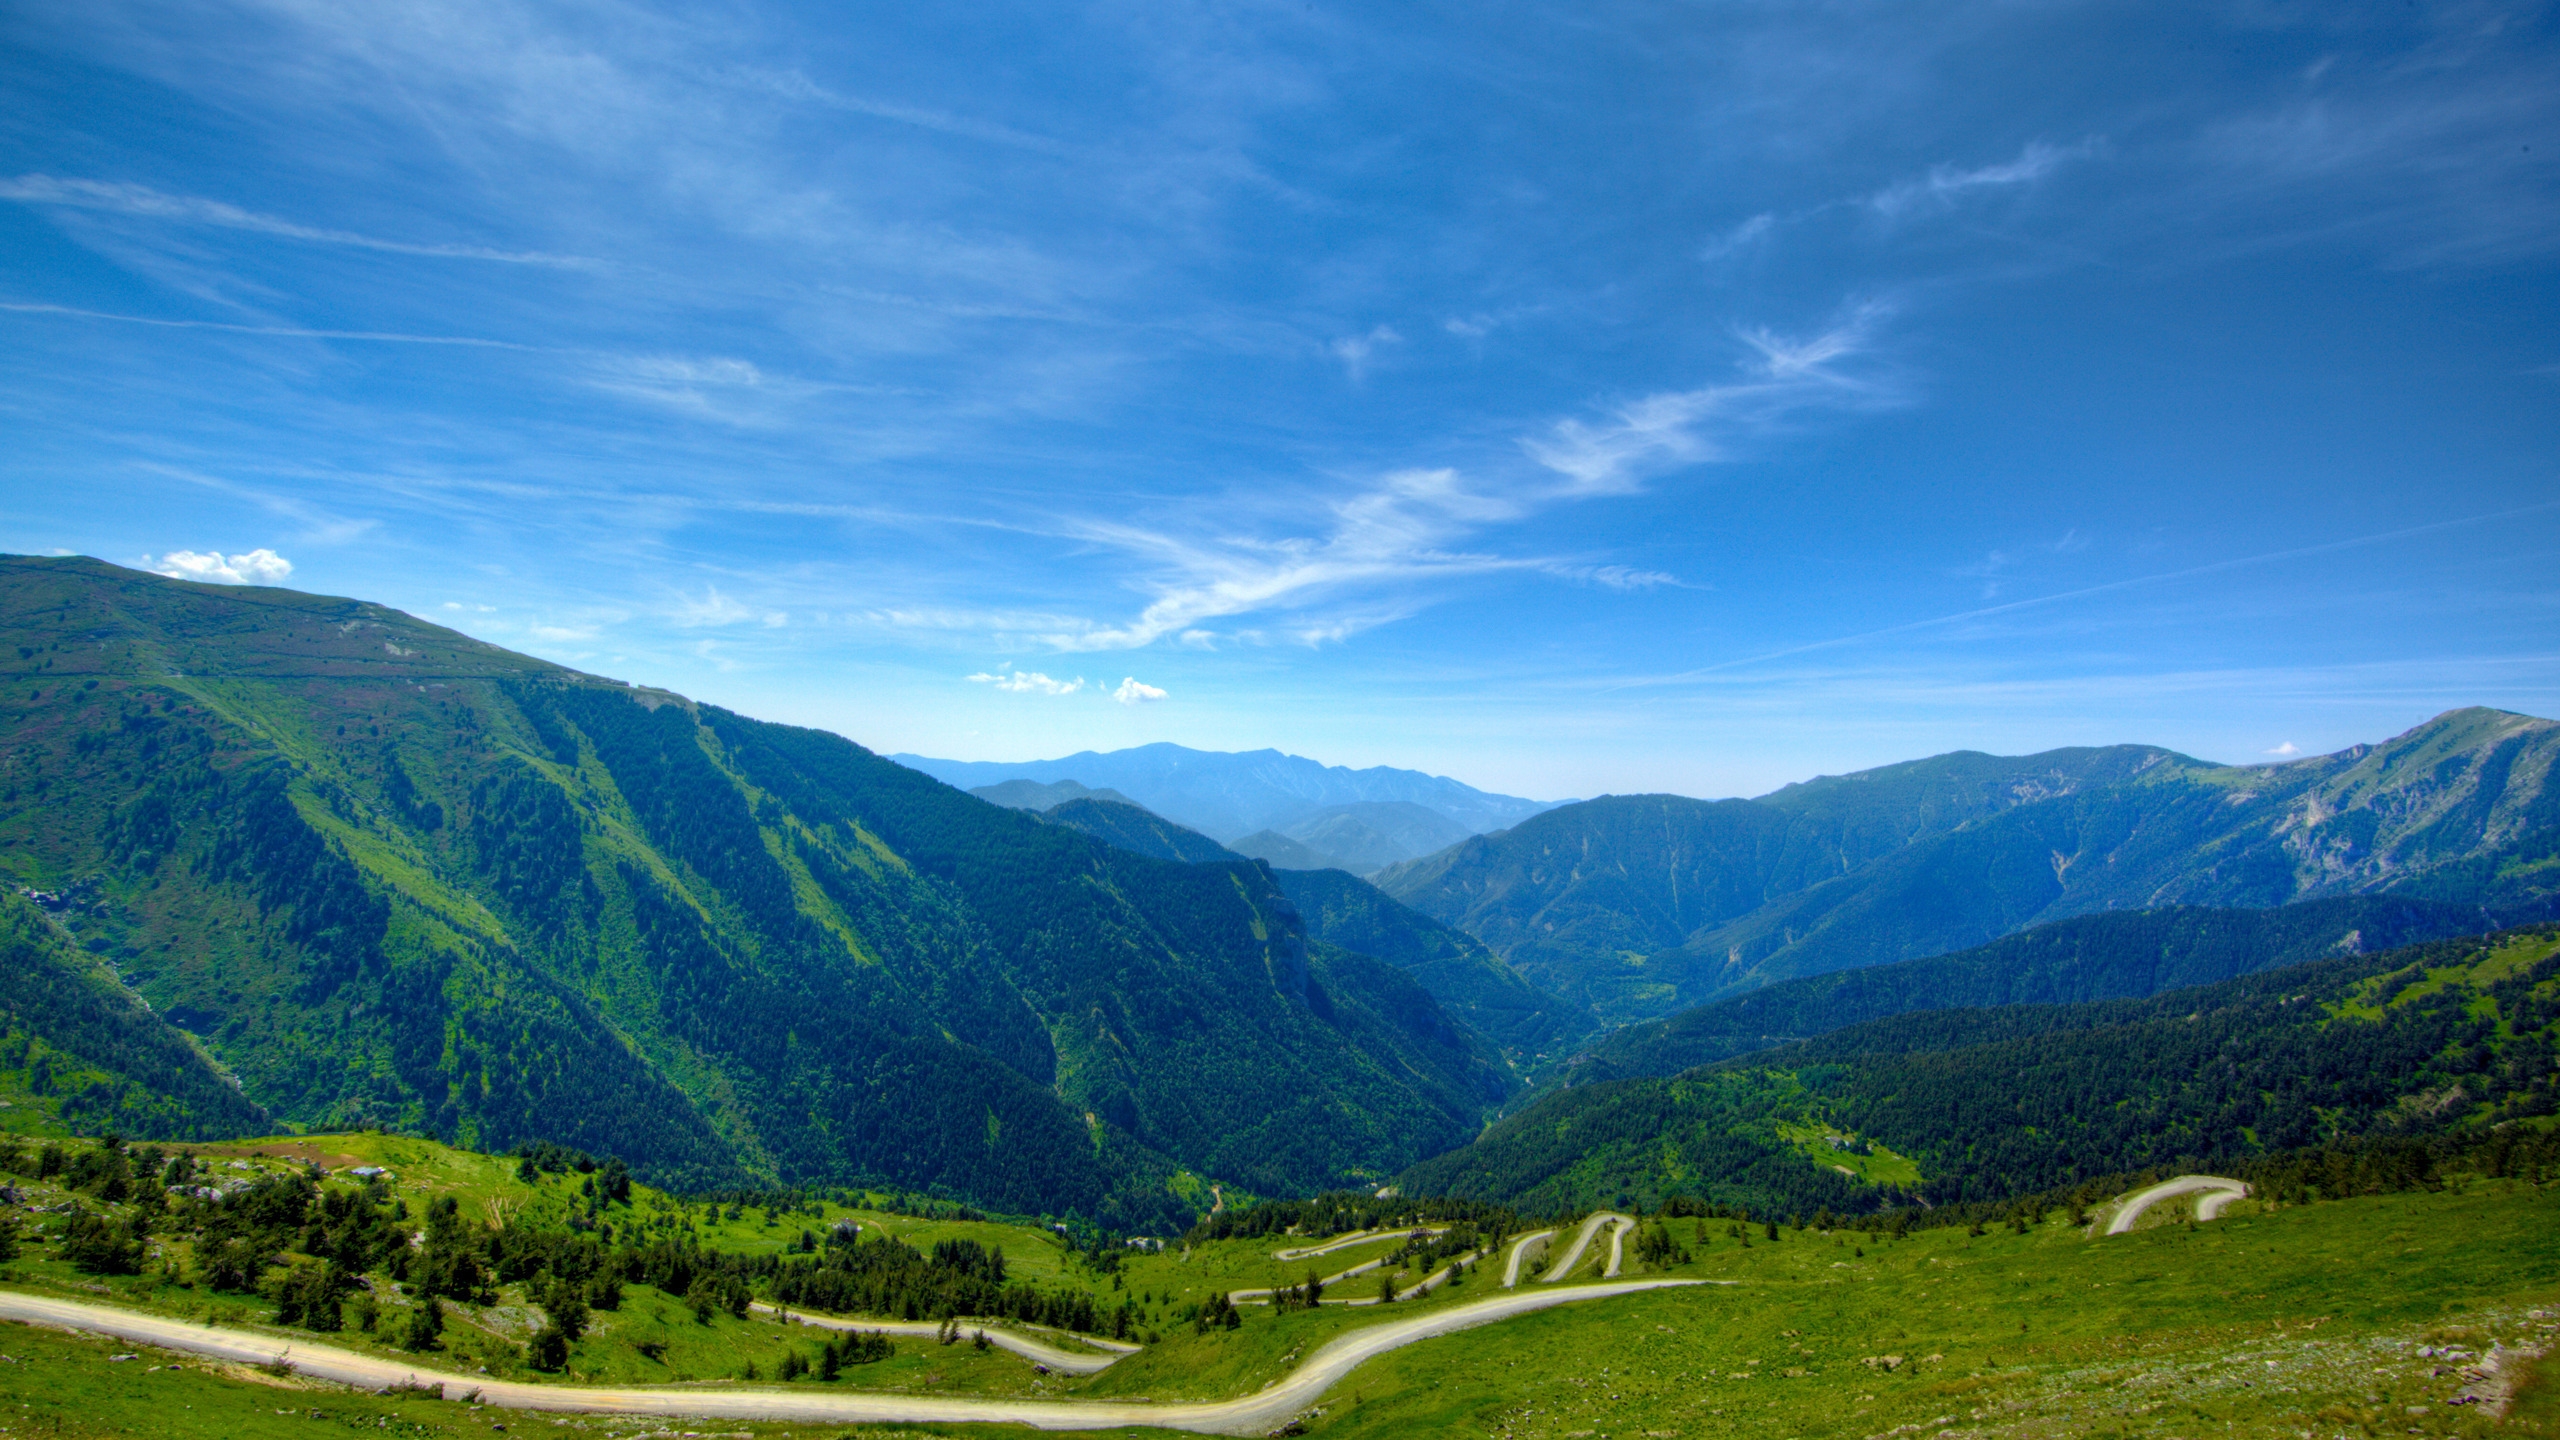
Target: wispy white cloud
{"points": [[713, 387], [142, 200], [713, 608], [1686, 427], [1944, 183], [1741, 237], [1399, 531], [288, 332], [1614, 577], [1133, 692], [251, 567], [1029, 682], [795, 85], [1354, 350]]}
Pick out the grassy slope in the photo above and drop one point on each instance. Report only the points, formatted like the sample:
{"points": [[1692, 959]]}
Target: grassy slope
{"points": [[2167, 1331]]}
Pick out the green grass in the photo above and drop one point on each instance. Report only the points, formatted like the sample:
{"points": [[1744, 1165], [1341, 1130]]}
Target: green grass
{"points": [[2167, 1331], [1881, 1166]]}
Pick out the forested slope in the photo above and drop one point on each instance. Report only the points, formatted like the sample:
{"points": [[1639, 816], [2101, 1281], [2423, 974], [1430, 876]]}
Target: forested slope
{"points": [[391, 875], [1469, 980], [77, 1048], [1974, 1104], [1343, 910], [2112, 955], [1651, 904]]}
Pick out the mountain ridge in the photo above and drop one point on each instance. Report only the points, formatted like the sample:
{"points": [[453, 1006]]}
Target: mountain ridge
{"points": [[392, 875], [1227, 794], [1644, 905]]}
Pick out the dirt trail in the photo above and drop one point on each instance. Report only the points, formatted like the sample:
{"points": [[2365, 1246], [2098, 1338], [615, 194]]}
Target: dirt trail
{"points": [[1582, 1242], [1254, 1414], [2219, 1192], [1520, 1251], [1345, 1242], [1065, 1362]]}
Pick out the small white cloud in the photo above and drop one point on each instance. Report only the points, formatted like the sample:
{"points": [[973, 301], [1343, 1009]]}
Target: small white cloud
{"points": [[1029, 682], [1354, 350], [1199, 639], [1131, 692], [2287, 748], [777, 619], [713, 608], [254, 567], [452, 605]]}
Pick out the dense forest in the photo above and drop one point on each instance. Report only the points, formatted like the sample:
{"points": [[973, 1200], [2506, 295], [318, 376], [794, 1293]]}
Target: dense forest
{"points": [[1984, 1103], [2092, 957]]}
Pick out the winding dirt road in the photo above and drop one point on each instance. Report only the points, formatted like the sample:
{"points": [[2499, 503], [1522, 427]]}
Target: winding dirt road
{"points": [[1520, 1251], [1356, 1237], [1250, 1415], [2218, 1192], [1582, 1242], [1065, 1362]]}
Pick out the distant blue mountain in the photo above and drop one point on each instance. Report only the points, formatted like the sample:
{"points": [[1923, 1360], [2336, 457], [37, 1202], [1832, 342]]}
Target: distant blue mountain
{"points": [[1227, 796]]}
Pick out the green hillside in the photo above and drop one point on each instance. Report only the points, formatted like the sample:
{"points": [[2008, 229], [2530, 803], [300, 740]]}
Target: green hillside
{"points": [[386, 874], [1647, 905], [79, 1050], [1470, 981], [1948, 1106], [2384, 1292], [2112, 955]]}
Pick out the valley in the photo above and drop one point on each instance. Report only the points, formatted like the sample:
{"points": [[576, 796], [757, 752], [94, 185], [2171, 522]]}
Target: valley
{"points": [[445, 1015]]}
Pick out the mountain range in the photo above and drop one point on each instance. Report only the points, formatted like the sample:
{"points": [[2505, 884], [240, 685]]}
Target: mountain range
{"points": [[1645, 905], [294, 860], [1342, 818]]}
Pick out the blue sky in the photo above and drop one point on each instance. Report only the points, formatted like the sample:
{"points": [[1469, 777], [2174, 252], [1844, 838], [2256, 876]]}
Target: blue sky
{"points": [[1567, 399]]}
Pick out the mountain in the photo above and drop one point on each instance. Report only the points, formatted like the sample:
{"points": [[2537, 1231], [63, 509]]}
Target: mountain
{"points": [[1226, 795], [1468, 980], [1031, 795], [389, 875], [2118, 954], [1369, 835], [1978, 1104], [1645, 905], [1282, 852], [1130, 828], [1342, 910]]}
